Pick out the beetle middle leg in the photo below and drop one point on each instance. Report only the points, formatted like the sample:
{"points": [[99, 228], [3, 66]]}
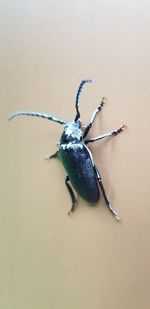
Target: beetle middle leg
{"points": [[108, 204], [50, 156], [89, 126], [113, 133], [72, 195]]}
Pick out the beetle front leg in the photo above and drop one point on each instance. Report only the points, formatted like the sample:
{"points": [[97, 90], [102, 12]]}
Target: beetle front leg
{"points": [[108, 204], [54, 155], [73, 198], [89, 126]]}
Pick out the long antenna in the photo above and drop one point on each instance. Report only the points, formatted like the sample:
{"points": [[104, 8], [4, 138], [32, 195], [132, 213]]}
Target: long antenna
{"points": [[78, 97], [37, 114]]}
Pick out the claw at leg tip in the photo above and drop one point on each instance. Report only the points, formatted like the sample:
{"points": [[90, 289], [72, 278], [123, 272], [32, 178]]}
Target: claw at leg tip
{"points": [[124, 127], [117, 217]]}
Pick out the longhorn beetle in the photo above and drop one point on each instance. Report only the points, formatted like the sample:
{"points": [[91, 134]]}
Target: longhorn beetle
{"points": [[82, 174]]}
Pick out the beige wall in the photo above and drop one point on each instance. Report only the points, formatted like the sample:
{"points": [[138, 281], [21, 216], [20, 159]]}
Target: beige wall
{"points": [[50, 260]]}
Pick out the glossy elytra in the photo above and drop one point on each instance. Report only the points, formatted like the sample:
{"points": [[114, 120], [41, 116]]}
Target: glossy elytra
{"points": [[83, 175]]}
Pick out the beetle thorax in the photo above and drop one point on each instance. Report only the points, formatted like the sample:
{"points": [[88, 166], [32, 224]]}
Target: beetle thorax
{"points": [[72, 133]]}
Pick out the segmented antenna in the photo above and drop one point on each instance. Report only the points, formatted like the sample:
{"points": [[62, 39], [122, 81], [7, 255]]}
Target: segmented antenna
{"points": [[78, 96], [38, 114]]}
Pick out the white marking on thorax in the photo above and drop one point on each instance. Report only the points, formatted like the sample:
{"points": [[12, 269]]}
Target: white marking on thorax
{"points": [[71, 146]]}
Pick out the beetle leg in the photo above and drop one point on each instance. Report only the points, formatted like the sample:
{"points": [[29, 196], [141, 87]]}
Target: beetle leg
{"points": [[113, 133], [73, 198], [89, 126], [108, 204], [54, 155]]}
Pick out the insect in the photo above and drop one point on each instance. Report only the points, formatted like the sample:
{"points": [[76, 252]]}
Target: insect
{"points": [[83, 175]]}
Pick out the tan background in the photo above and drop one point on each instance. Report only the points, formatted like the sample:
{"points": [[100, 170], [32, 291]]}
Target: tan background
{"points": [[47, 259]]}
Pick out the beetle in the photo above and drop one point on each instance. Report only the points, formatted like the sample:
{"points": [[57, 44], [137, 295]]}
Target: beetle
{"points": [[83, 175]]}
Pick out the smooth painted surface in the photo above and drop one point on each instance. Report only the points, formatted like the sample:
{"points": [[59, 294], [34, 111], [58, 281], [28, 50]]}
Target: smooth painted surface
{"points": [[47, 259]]}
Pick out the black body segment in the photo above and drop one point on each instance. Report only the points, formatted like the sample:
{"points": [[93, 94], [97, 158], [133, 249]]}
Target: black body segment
{"points": [[77, 161]]}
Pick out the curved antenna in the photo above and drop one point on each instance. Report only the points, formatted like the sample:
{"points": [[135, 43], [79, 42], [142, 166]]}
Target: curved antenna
{"points": [[37, 114], [78, 96]]}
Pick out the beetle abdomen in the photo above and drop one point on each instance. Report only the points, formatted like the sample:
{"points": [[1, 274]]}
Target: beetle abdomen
{"points": [[77, 161]]}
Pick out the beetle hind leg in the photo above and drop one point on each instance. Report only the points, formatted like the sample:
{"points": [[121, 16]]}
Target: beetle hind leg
{"points": [[72, 195], [108, 204]]}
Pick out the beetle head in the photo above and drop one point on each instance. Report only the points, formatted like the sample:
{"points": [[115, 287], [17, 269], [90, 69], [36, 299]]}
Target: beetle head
{"points": [[72, 133]]}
